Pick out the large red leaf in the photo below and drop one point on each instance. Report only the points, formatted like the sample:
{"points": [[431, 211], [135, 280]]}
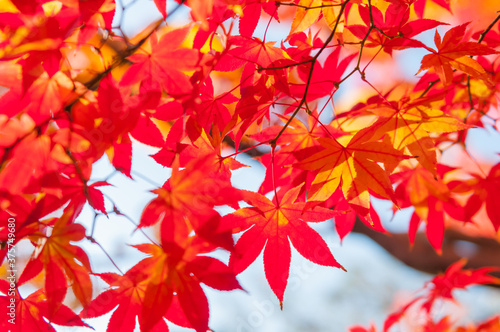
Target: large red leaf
{"points": [[270, 226], [164, 64], [455, 53]]}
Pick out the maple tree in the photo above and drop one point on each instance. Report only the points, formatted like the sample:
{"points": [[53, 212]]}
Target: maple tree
{"points": [[75, 88]]}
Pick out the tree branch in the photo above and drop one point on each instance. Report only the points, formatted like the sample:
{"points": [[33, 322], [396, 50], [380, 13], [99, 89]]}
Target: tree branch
{"points": [[479, 251]]}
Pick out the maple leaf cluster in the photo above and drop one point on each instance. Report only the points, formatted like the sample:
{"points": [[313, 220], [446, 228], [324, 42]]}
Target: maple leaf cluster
{"points": [[437, 291], [75, 89]]}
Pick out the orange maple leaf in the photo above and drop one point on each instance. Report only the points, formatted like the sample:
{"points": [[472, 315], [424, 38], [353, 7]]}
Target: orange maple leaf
{"points": [[305, 17], [296, 142], [454, 53], [164, 64], [61, 262], [355, 167]]}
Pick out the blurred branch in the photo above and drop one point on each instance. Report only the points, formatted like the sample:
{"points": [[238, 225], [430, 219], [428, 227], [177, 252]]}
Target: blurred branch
{"points": [[479, 251]]}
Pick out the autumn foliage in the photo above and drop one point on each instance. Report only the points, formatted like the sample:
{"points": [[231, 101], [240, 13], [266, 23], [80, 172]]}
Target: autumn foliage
{"points": [[324, 108]]}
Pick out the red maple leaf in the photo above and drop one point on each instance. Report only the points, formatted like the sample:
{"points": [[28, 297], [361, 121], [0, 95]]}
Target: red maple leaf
{"points": [[324, 79], [431, 198], [162, 7], [61, 261], [253, 50], [166, 284], [94, 14], [185, 202], [209, 110], [33, 312], [455, 53], [393, 32], [127, 294], [441, 287], [270, 226], [164, 64], [61, 188], [251, 15], [486, 190]]}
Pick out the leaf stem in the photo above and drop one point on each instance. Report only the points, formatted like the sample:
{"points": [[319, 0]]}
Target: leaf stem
{"points": [[244, 150], [92, 240], [429, 86], [269, 23]]}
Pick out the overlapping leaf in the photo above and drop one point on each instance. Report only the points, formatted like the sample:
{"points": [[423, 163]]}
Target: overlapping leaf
{"points": [[64, 264], [163, 66], [32, 313], [431, 198], [354, 168], [185, 202], [166, 284], [441, 287], [411, 126], [394, 31], [75, 86], [455, 53]]}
